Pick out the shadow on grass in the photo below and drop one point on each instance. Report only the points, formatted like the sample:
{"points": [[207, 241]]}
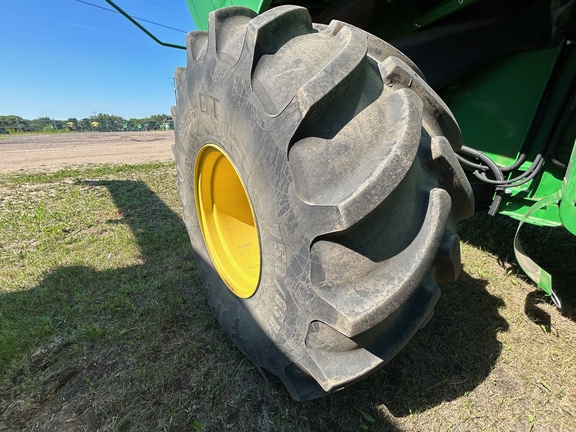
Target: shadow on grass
{"points": [[87, 325], [137, 348], [553, 249], [451, 356]]}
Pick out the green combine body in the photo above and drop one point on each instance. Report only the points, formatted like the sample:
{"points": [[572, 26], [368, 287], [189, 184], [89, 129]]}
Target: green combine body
{"points": [[322, 170]]}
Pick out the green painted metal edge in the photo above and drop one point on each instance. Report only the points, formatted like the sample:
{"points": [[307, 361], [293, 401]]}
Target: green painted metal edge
{"points": [[540, 276], [440, 11], [568, 204], [516, 208], [199, 9]]}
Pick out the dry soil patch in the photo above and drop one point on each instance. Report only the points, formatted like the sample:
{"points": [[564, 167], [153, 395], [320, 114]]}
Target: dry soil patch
{"points": [[65, 150]]}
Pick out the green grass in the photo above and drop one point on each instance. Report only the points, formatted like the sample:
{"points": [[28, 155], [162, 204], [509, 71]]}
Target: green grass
{"points": [[45, 131], [104, 326]]}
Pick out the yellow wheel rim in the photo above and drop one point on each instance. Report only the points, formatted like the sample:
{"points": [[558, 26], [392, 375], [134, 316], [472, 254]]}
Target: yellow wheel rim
{"points": [[227, 221]]}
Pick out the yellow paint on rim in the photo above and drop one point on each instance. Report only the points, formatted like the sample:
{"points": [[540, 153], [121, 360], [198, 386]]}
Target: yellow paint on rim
{"points": [[227, 221]]}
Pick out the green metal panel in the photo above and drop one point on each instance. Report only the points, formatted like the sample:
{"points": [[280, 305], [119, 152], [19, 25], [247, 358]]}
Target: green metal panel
{"points": [[540, 276], [516, 207], [495, 107], [553, 178], [568, 204], [495, 104], [200, 9]]}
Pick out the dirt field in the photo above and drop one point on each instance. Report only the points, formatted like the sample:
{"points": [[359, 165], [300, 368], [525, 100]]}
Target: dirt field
{"points": [[64, 150]]}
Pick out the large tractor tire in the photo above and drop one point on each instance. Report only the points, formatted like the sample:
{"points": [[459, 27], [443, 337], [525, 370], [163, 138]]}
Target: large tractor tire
{"points": [[320, 190]]}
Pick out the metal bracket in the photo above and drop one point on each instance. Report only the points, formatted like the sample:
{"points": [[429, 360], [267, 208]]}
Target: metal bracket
{"points": [[540, 276]]}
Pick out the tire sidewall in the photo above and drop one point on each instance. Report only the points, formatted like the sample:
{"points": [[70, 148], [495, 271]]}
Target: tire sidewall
{"points": [[219, 111]]}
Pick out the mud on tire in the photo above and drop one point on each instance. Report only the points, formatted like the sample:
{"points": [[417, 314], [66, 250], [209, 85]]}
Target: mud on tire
{"points": [[341, 160]]}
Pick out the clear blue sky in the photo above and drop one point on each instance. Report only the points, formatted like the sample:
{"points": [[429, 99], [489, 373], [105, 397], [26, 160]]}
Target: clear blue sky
{"points": [[63, 58]]}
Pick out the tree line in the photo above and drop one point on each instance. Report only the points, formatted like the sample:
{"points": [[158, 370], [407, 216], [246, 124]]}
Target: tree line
{"points": [[95, 123]]}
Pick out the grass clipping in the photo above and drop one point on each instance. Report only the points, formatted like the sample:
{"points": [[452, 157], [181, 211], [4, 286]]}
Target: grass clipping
{"points": [[104, 326]]}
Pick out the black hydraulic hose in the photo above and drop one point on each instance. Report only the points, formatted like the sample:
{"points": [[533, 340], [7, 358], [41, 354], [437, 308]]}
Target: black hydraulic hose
{"points": [[568, 104], [561, 129], [532, 171], [557, 162], [470, 164], [478, 155], [519, 161]]}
